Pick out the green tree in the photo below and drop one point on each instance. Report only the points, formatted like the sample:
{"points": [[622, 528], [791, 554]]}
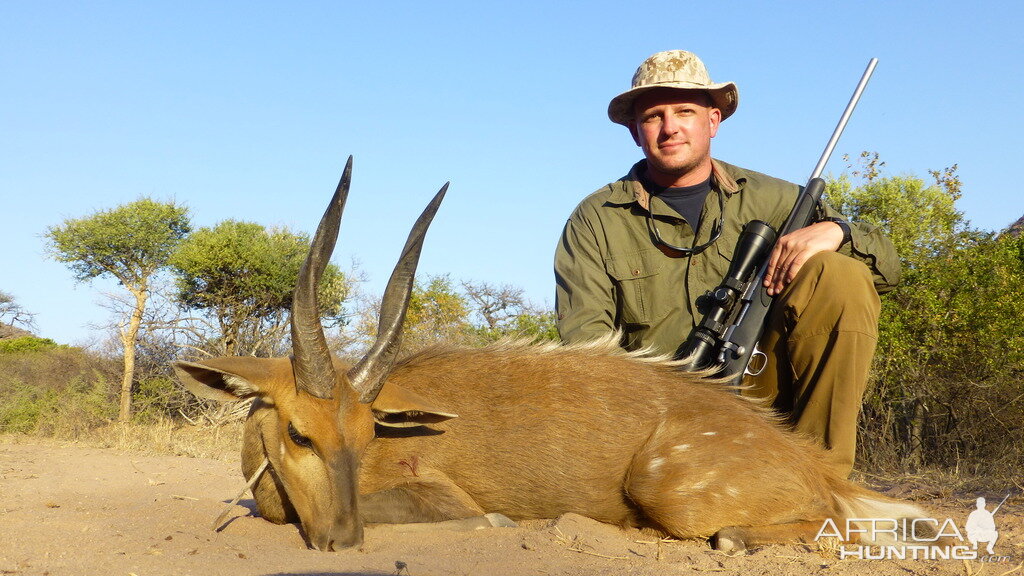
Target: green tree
{"points": [[129, 243], [243, 275], [537, 324], [473, 314], [920, 218], [476, 314], [437, 313], [951, 347]]}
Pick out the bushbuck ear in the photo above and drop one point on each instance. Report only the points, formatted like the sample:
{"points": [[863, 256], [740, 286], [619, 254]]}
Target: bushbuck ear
{"points": [[397, 407], [215, 383]]}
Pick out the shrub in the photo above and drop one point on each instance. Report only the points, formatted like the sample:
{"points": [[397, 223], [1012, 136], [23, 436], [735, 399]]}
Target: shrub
{"points": [[26, 344], [56, 390]]}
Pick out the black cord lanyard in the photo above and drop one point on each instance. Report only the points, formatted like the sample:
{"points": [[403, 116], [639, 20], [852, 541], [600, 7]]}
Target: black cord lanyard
{"points": [[716, 231]]}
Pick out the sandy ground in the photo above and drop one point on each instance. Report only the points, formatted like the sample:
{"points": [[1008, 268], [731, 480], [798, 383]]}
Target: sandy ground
{"points": [[68, 509]]}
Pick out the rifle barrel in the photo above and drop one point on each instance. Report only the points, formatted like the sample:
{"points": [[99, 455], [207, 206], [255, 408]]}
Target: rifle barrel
{"points": [[820, 167], [1001, 502]]}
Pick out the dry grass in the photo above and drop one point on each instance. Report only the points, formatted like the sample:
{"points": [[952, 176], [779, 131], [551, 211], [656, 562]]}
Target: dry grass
{"points": [[829, 547], [222, 442], [937, 483], [164, 437]]}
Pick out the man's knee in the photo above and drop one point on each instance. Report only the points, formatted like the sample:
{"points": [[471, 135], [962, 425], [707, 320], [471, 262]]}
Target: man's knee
{"points": [[836, 289], [835, 271]]}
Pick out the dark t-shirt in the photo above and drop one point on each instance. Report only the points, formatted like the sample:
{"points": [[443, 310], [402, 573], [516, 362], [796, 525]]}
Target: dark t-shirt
{"points": [[687, 201]]}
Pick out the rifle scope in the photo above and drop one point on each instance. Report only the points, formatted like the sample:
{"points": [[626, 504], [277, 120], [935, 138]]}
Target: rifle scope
{"points": [[755, 242]]}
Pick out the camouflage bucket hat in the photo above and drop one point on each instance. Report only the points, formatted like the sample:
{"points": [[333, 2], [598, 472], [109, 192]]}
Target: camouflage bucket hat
{"points": [[673, 69]]}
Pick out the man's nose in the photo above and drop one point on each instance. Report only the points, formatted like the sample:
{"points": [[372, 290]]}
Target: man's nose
{"points": [[669, 125]]}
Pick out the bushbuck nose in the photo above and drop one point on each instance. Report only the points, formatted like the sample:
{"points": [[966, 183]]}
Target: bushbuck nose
{"points": [[339, 540]]}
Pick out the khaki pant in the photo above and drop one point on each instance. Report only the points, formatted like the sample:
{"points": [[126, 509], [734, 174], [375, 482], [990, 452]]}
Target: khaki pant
{"points": [[820, 339]]}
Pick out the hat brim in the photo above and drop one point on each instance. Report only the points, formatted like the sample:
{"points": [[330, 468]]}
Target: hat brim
{"points": [[724, 96]]}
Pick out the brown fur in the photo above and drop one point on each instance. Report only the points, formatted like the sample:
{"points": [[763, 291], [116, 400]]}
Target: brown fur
{"points": [[590, 429]]}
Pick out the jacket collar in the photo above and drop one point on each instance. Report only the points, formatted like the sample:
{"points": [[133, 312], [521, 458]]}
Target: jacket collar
{"points": [[629, 189]]}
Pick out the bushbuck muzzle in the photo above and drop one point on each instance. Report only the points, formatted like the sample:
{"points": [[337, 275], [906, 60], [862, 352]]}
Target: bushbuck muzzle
{"points": [[337, 525]]}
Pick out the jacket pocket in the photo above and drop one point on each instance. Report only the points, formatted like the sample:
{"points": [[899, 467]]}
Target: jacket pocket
{"points": [[635, 277]]}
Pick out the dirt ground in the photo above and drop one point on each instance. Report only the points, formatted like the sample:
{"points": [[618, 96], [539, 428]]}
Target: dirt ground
{"points": [[69, 509]]}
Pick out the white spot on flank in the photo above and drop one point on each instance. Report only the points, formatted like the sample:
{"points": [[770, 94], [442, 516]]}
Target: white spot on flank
{"points": [[656, 463], [681, 448], [709, 433], [732, 491]]}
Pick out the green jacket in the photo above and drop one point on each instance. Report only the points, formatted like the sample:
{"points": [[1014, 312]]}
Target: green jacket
{"points": [[611, 275]]}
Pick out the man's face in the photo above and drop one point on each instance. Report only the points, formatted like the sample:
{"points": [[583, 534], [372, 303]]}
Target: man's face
{"points": [[674, 128]]}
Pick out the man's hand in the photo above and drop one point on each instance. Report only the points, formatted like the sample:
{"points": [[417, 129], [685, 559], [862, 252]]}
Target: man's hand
{"points": [[794, 249]]}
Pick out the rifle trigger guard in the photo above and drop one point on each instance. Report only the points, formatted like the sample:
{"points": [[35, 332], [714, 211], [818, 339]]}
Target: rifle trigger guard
{"points": [[758, 362]]}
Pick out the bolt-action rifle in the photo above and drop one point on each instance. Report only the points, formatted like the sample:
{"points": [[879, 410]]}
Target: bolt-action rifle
{"points": [[727, 336]]}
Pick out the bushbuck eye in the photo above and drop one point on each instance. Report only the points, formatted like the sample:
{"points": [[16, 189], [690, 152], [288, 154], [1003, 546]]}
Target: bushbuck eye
{"points": [[298, 438]]}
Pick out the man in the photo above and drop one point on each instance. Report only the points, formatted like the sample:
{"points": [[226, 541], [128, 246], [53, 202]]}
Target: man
{"points": [[981, 527], [640, 255]]}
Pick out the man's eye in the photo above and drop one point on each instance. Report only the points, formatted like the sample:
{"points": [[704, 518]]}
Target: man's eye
{"points": [[299, 439]]}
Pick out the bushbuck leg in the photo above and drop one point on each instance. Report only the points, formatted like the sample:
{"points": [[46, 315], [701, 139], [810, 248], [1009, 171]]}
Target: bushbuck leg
{"points": [[427, 498], [428, 506], [432, 499], [736, 539]]}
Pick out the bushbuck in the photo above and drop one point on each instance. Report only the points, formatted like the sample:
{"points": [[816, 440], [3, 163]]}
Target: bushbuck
{"points": [[525, 431]]}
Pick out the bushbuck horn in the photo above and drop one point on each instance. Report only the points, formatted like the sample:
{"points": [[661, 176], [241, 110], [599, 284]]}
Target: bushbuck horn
{"points": [[314, 370], [368, 375]]}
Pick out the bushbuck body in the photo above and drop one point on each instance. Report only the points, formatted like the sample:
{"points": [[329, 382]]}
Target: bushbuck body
{"points": [[526, 431]]}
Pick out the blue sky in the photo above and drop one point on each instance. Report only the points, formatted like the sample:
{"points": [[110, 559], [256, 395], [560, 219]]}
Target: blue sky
{"points": [[248, 110]]}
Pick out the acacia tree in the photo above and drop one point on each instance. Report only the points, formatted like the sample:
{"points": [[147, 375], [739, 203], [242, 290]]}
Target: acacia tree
{"points": [[242, 276], [439, 312], [129, 243], [12, 313], [506, 311]]}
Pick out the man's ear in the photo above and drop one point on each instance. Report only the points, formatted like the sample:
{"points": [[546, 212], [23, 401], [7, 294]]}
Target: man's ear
{"points": [[715, 118], [396, 407]]}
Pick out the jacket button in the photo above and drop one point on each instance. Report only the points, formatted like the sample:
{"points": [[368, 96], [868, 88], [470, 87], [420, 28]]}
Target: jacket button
{"points": [[636, 272]]}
